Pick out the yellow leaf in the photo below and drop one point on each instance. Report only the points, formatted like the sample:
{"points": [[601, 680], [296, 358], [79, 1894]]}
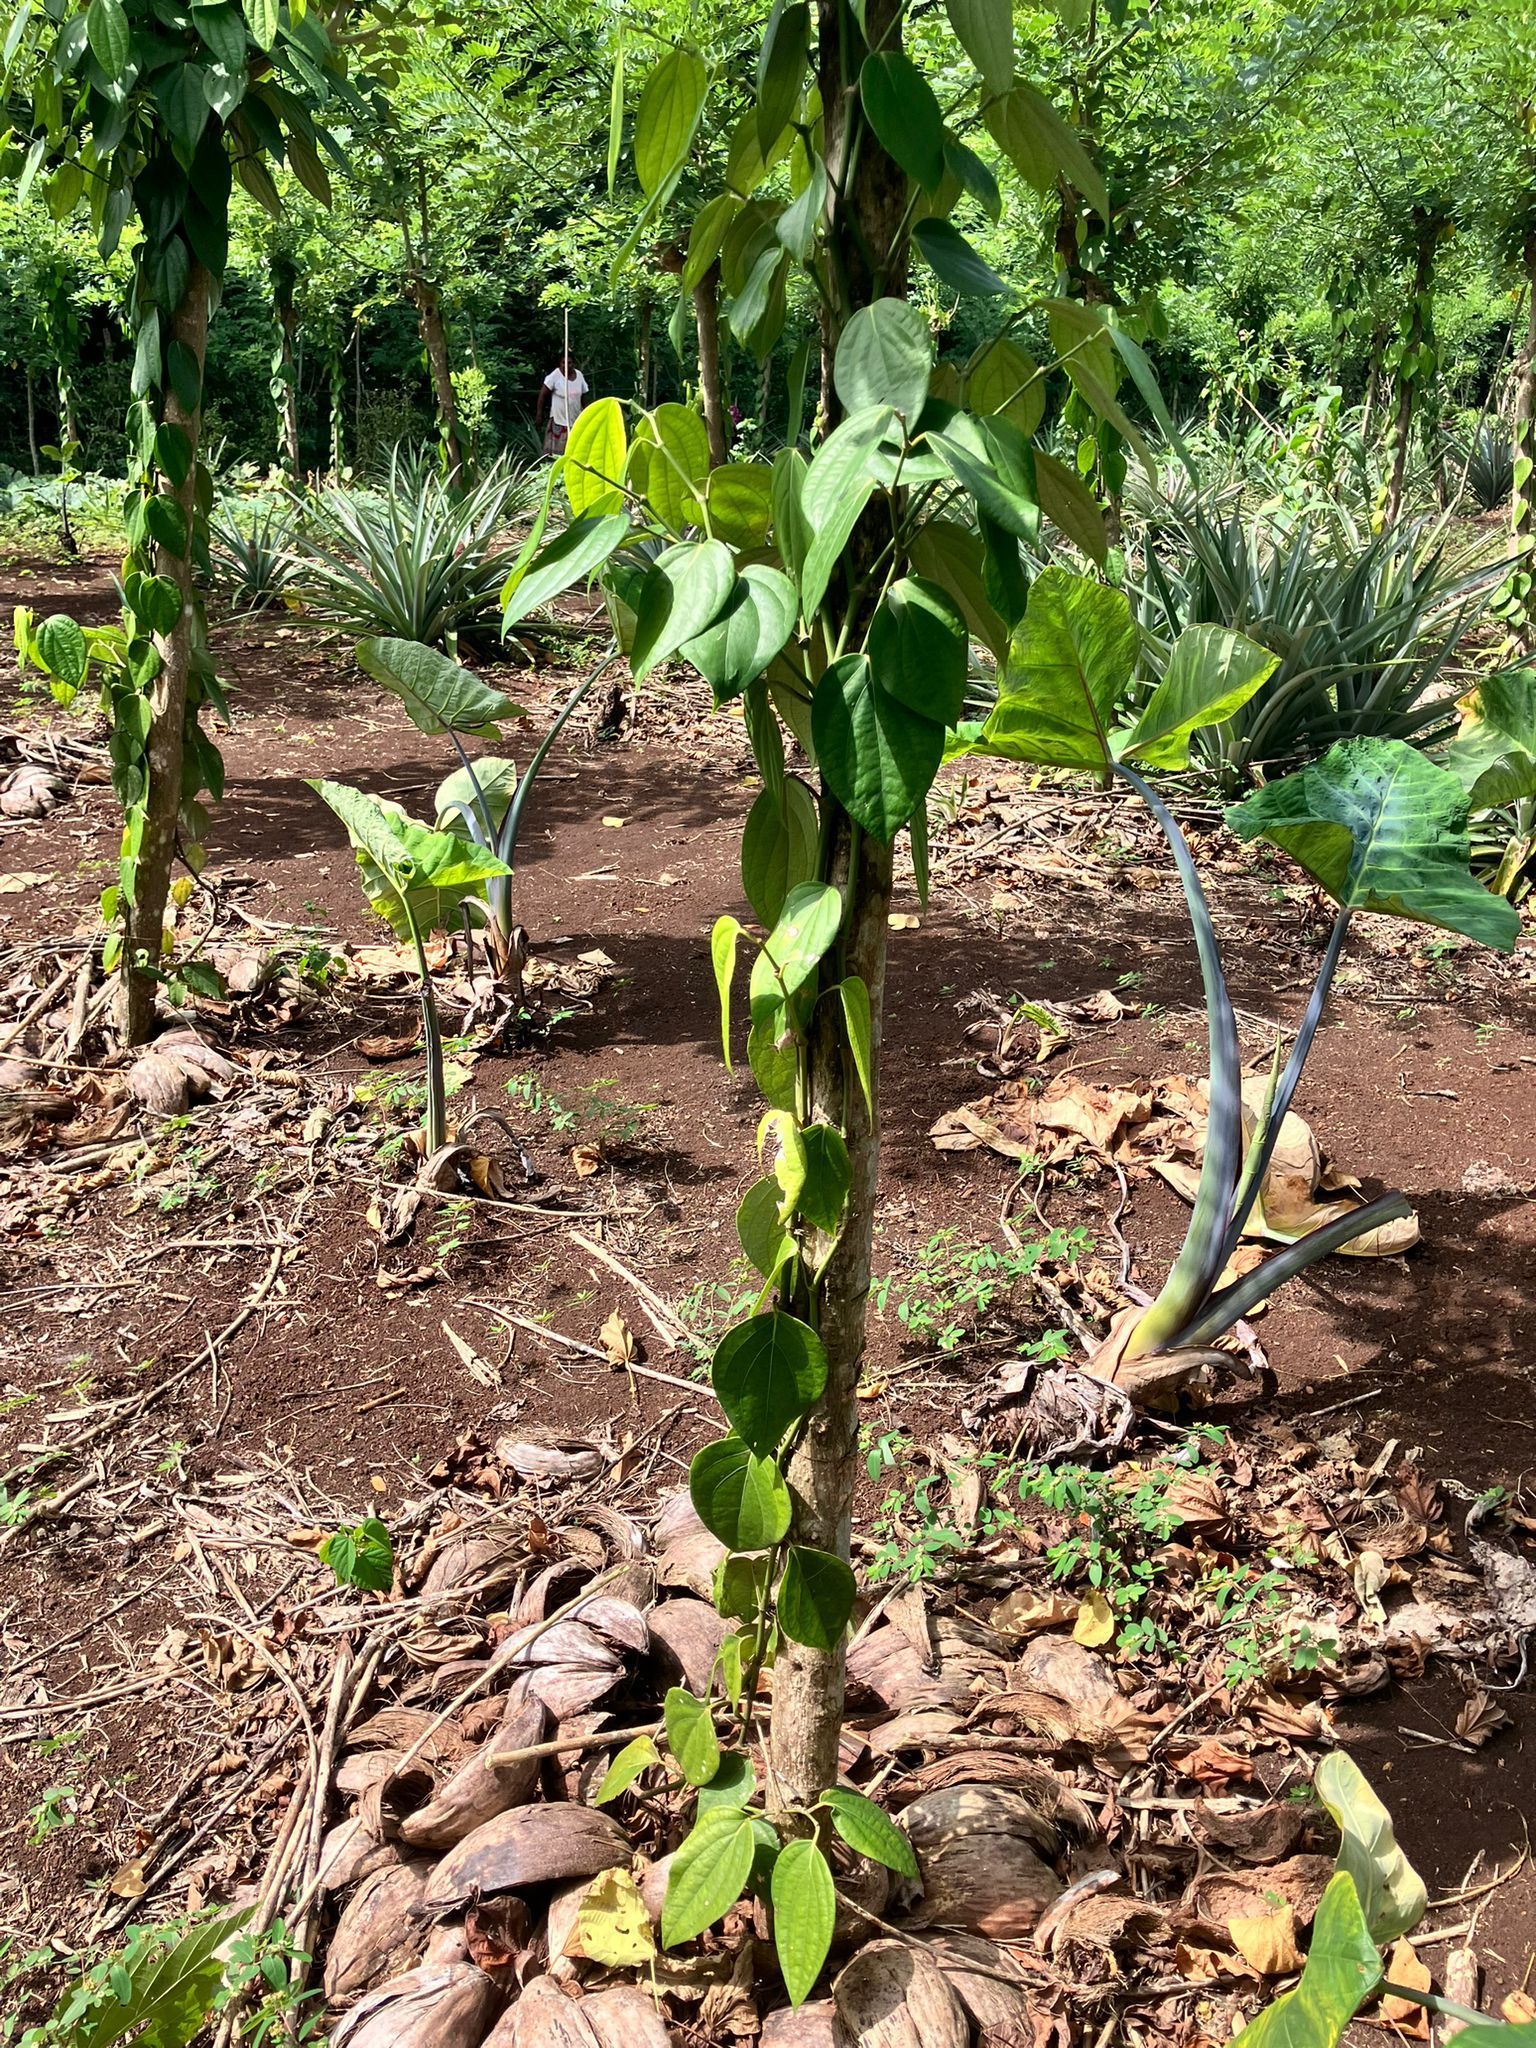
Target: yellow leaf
{"points": [[1267, 1941], [1095, 1622], [612, 1924]]}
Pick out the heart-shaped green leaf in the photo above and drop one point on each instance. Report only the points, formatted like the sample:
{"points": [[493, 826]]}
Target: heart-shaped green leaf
{"points": [[816, 1597], [758, 618], [804, 1914], [402, 863], [868, 1829], [767, 1373], [885, 358], [1069, 664], [738, 1497], [1342, 1971], [918, 649], [1390, 1891], [686, 591], [708, 1874], [691, 1735], [878, 757]]}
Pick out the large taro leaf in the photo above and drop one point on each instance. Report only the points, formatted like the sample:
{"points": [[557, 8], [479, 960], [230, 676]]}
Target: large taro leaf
{"points": [[1390, 1891], [1381, 828], [402, 863], [1342, 1971], [1211, 674], [1493, 755], [439, 695], [1068, 665], [461, 797]]}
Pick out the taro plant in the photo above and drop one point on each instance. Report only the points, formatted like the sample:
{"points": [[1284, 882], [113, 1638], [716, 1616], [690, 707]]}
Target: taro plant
{"points": [[1374, 1897], [1493, 757], [415, 878], [483, 800], [1376, 823]]}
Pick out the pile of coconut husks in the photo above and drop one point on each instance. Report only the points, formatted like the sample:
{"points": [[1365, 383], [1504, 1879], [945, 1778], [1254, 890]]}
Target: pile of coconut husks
{"points": [[1110, 1844]]}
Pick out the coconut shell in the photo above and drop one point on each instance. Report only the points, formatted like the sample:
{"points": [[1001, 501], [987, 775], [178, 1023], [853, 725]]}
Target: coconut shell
{"points": [[544, 2017], [468, 1558], [973, 1969], [980, 1809], [624, 2017], [528, 1845], [478, 1791], [376, 1937], [895, 1996], [400, 1728], [686, 1554], [549, 1460], [685, 1640], [813, 2025], [349, 1853], [367, 1768], [447, 1944], [889, 1665], [448, 2007]]}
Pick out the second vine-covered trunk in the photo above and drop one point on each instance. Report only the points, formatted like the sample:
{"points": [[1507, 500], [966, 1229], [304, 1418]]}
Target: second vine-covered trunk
{"points": [[706, 316], [145, 915], [427, 300], [1524, 502], [286, 376], [866, 256], [1415, 361]]}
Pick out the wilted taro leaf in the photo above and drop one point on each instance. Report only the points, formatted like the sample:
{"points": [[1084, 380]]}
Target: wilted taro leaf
{"points": [[526, 1846], [478, 1790], [376, 1936], [894, 1996], [429, 2007]]}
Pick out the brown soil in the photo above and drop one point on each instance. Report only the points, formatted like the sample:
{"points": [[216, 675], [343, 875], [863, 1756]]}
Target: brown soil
{"points": [[1424, 1079]]}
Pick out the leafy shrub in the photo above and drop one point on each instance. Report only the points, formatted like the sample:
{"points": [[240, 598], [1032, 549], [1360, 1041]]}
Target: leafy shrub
{"points": [[1366, 630], [416, 560]]}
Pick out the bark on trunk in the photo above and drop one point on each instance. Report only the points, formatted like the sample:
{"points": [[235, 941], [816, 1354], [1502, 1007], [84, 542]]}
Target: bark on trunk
{"points": [[1427, 236], [145, 916], [706, 315], [643, 352], [1524, 501], [288, 409], [865, 246], [37, 453], [428, 302]]}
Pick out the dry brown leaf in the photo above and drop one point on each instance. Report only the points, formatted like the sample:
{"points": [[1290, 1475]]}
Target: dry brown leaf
{"points": [[1406, 1969], [1267, 1941], [1216, 1764], [619, 1341], [382, 1047], [1480, 1719], [586, 1160], [1025, 1612], [1519, 2008]]}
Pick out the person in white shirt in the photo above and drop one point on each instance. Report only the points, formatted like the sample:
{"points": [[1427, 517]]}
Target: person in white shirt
{"points": [[564, 393]]}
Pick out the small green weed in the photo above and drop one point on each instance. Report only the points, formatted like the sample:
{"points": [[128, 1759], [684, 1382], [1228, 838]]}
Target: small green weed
{"points": [[954, 1287], [52, 1813]]}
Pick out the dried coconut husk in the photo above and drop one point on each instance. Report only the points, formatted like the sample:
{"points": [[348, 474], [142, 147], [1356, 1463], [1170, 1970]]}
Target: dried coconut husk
{"points": [[1108, 1921], [1065, 1692], [989, 1983], [349, 1853], [1299, 1880], [867, 1887], [915, 1730], [542, 1458], [686, 1554], [1254, 1834], [685, 1640], [376, 1936], [621, 1537], [813, 2025], [447, 2006], [400, 1728], [447, 1944], [480, 1789], [387, 1804], [977, 1808], [978, 1849], [367, 1767], [965, 1657], [624, 2017], [486, 1557], [895, 1996], [529, 1845], [543, 2016], [433, 1648], [1040, 1786]]}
